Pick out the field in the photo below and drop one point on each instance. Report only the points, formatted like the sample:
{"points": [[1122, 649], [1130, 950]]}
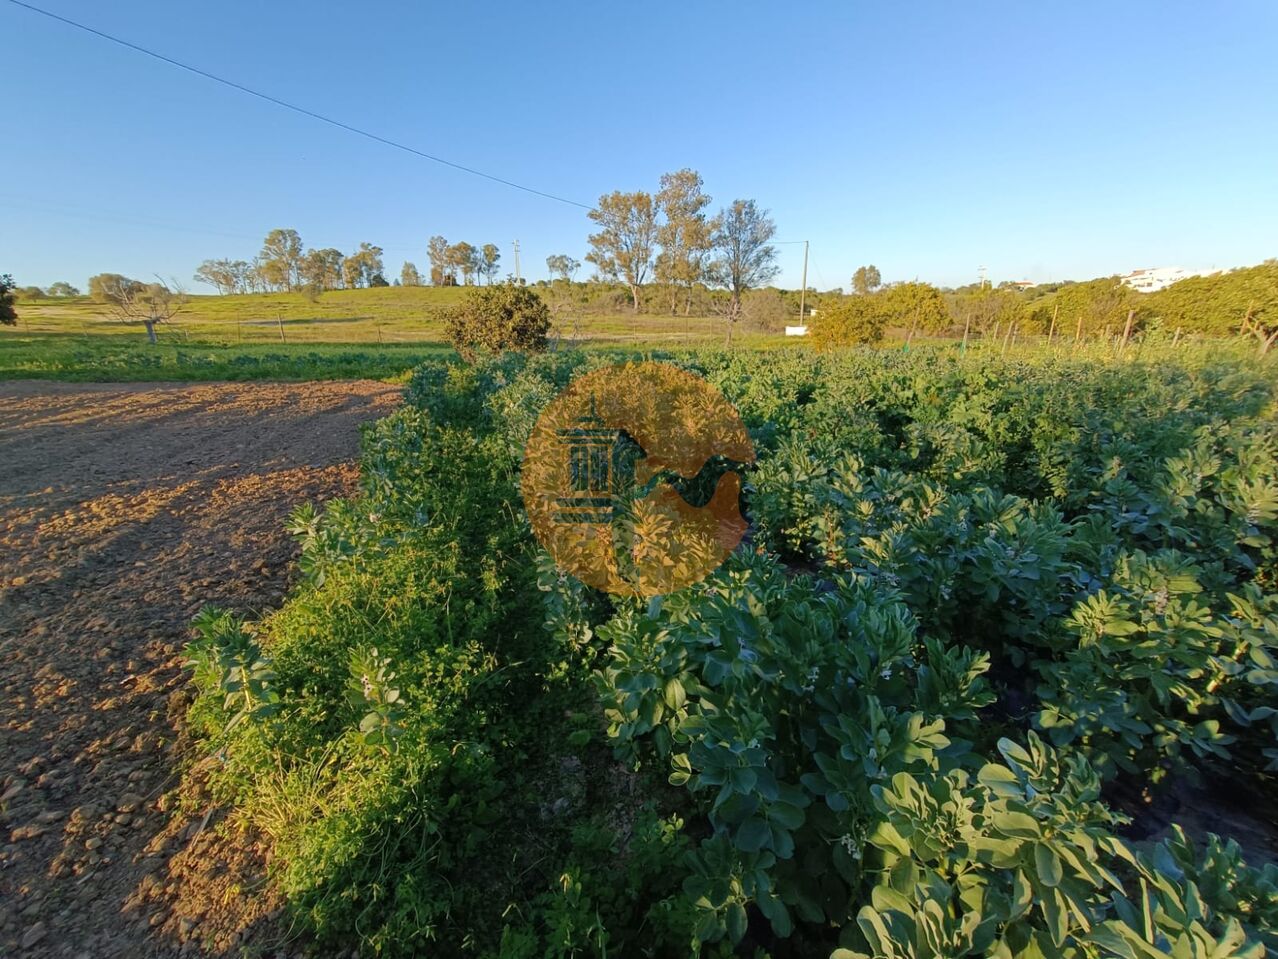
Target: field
{"points": [[123, 510], [994, 673], [376, 333]]}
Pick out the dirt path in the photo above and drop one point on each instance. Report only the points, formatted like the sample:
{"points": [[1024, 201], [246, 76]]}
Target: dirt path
{"points": [[123, 510]]}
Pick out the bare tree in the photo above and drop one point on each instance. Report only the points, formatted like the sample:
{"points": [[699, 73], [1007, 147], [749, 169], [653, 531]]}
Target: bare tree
{"points": [[150, 304], [746, 258]]}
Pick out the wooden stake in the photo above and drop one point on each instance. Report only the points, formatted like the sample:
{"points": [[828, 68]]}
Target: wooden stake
{"points": [[967, 326], [1176, 338], [280, 320], [1008, 336], [1051, 333], [1127, 332], [1078, 332]]}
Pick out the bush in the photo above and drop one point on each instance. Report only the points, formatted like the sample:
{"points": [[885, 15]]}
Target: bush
{"points": [[493, 319], [847, 322]]}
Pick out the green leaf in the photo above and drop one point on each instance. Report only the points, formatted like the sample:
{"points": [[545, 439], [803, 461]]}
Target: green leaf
{"points": [[1016, 824], [736, 921], [674, 693], [753, 834], [1048, 865], [791, 817]]}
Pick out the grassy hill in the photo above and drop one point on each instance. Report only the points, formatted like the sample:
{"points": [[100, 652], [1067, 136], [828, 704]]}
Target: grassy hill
{"points": [[380, 332], [381, 315]]}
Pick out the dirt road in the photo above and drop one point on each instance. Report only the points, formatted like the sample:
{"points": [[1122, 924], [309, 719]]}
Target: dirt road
{"points": [[123, 510]]}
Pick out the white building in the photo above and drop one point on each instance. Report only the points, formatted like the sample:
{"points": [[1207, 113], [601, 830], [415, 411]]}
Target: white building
{"points": [[1159, 278]]}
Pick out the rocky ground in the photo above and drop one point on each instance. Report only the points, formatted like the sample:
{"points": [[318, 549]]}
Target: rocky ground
{"points": [[123, 510]]}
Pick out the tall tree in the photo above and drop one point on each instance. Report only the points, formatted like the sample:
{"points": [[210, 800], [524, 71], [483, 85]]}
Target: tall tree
{"points": [[491, 258], [408, 275], [62, 288], [461, 260], [364, 267], [218, 274], [622, 249], [562, 266], [746, 258], [685, 235], [281, 259], [437, 250], [866, 279], [322, 269], [8, 315]]}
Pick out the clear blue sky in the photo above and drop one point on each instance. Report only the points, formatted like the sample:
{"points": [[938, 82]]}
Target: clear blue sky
{"points": [[1044, 141]]}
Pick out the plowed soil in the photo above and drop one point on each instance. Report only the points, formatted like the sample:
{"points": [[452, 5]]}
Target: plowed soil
{"points": [[123, 510]]}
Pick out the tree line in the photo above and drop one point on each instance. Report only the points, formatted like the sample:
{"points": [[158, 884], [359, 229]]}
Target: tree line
{"points": [[669, 236], [1242, 301], [284, 264]]}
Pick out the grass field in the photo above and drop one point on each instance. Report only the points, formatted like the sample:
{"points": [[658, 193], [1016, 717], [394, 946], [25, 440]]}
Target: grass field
{"points": [[373, 333]]}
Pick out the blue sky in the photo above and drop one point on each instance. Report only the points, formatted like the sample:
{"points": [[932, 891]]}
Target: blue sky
{"points": [[1043, 141]]}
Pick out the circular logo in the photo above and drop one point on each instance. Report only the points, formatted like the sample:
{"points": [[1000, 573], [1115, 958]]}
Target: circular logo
{"points": [[631, 480]]}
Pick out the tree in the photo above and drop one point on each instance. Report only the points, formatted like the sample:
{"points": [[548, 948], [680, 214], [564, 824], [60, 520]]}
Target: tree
{"points": [[866, 279], [493, 319], [364, 267], [562, 266], [8, 315], [685, 236], [1220, 304], [491, 257], [1096, 303], [150, 304], [62, 288], [30, 293], [323, 269], [850, 321], [437, 250], [745, 259], [983, 308], [219, 274], [915, 306], [461, 260], [104, 286], [408, 275], [622, 249], [281, 259]]}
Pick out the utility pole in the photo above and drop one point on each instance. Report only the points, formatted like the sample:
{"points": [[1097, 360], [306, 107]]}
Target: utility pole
{"points": [[516, 262], [981, 270], [803, 293]]}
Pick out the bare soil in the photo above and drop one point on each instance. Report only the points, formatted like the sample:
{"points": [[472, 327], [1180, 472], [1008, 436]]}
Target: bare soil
{"points": [[123, 510]]}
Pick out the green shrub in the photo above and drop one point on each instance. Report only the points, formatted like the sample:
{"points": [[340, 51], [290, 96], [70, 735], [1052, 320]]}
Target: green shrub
{"points": [[493, 319]]}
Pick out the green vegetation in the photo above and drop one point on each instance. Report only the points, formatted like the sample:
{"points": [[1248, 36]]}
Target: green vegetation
{"points": [[8, 315], [118, 359], [983, 599], [493, 319]]}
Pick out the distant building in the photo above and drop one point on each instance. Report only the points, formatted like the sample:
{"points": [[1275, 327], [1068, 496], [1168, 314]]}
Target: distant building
{"points": [[1159, 278], [1022, 284], [796, 331]]}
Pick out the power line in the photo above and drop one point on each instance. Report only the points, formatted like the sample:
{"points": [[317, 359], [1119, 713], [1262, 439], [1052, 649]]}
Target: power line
{"points": [[296, 109]]}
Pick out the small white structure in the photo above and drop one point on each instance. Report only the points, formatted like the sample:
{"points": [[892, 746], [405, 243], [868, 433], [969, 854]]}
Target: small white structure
{"points": [[796, 331], [1160, 277]]}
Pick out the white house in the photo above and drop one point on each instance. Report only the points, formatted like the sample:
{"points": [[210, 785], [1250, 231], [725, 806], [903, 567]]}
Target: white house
{"points": [[1160, 277]]}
